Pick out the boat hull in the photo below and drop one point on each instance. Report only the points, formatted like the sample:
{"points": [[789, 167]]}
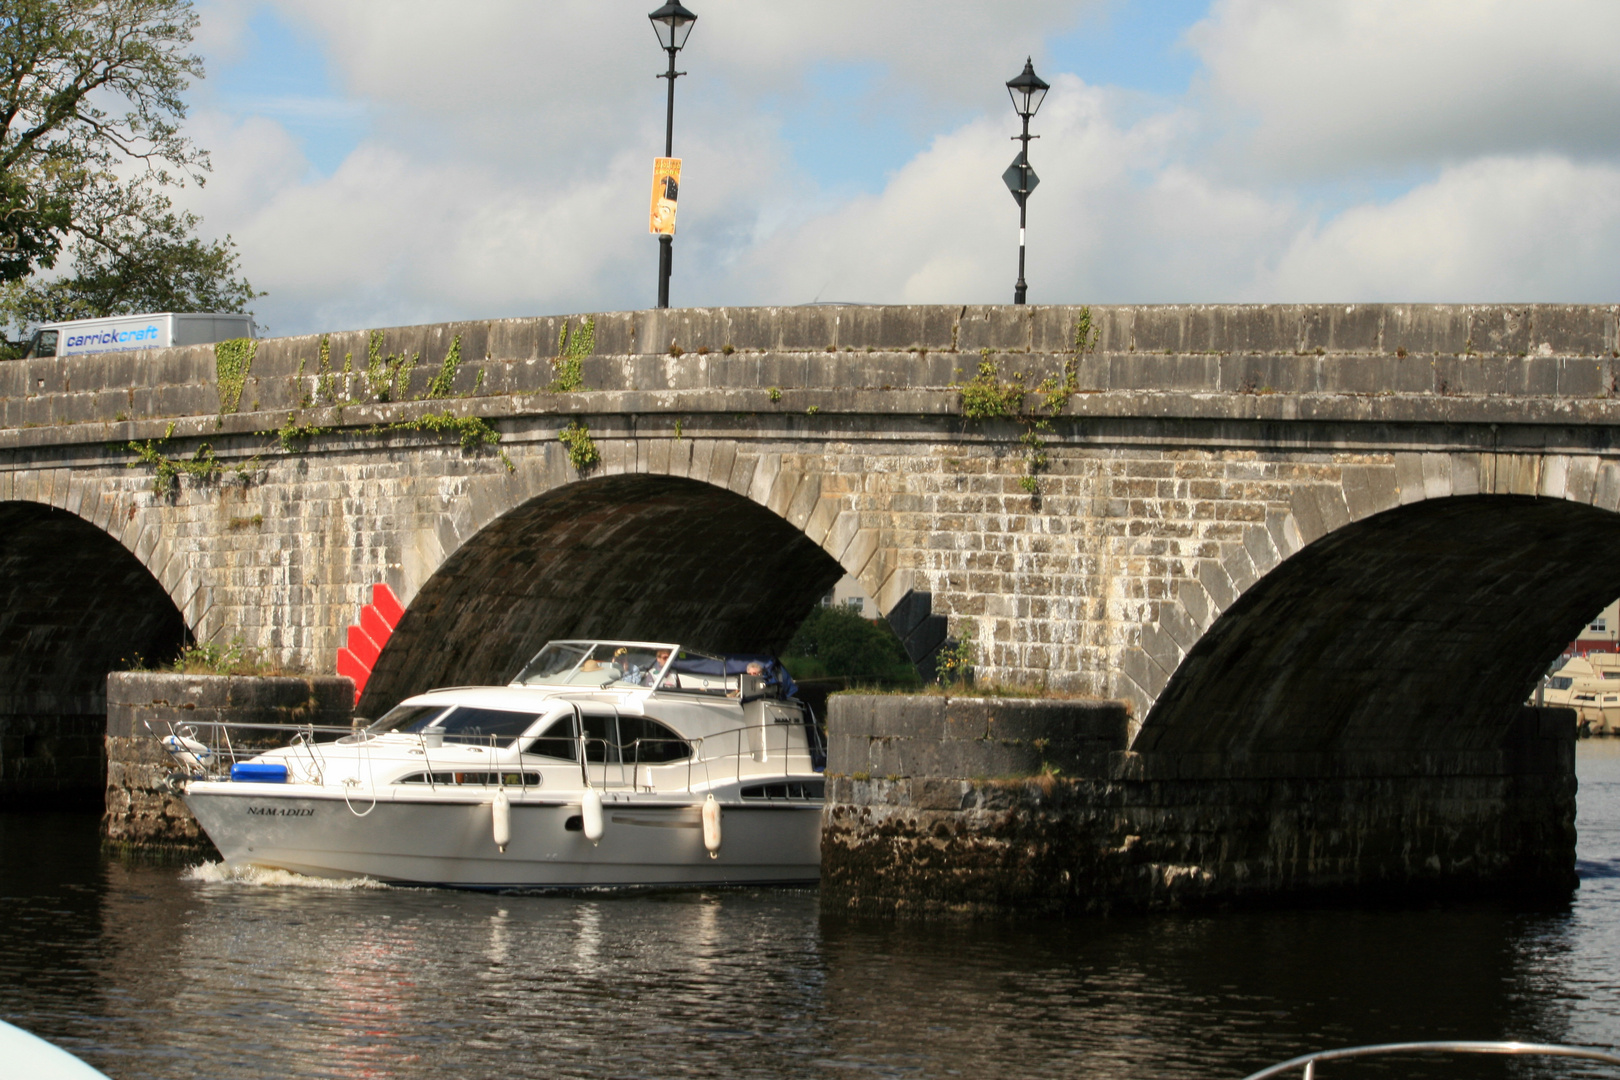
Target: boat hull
{"points": [[440, 841]]}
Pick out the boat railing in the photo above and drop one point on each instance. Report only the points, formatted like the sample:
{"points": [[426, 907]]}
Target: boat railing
{"points": [[1307, 1063], [206, 748]]}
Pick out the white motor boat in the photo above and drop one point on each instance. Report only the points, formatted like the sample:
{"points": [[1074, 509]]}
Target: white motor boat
{"points": [[604, 763]]}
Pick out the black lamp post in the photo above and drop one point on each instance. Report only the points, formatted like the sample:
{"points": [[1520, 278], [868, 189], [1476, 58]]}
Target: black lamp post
{"points": [[1027, 91], [672, 23]]}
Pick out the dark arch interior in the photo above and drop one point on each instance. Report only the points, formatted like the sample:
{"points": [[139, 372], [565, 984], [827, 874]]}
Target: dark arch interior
{"points": [[74, 605], [623, 556], [1421, 628]]}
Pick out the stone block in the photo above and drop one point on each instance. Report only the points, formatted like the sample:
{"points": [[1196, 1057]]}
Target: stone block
{"points": [[1369, 489], [1581, 478], [1499, 329], [1426, 329], [1347, 328], [1570, 330], [1554, 476], [1606, 488], [1162, 648], [1409, 477], [997, 327]]}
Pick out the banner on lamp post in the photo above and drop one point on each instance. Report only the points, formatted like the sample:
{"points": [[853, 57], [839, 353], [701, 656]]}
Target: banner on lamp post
{"points": [[665, 188]]}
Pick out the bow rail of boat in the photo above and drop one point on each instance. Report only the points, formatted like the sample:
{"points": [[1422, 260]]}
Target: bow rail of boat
{"points": [[1308, 1062]]}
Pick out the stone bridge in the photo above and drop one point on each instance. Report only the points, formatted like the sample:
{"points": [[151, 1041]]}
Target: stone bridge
{"points": [[1277, 532]]}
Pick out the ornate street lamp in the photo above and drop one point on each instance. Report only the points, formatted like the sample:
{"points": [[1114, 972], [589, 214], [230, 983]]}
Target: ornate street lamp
{"points": [[672, 23], [1027, 90]]}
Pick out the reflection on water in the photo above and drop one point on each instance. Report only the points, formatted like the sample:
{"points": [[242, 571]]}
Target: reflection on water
{"points": [[159, 972]]}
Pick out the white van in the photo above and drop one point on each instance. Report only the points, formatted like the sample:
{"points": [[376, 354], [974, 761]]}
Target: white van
{"points": [[124, 332]]}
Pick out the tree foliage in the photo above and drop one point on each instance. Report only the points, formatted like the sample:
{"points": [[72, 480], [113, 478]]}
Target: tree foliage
{"points": [[844, 644], [90, 106]]}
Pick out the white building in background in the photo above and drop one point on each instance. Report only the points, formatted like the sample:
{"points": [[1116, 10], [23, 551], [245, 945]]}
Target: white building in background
{"points": [[1602, 634], [848, 593]]}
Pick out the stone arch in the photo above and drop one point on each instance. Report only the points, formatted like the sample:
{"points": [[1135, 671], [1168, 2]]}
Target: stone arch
{"points": [[1316, 628], [75, 604], [633, 552]]}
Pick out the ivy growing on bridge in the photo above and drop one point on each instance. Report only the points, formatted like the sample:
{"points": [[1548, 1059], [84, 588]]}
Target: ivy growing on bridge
{"points": [[987, 397], [582, 451], [473, 432], [232, 361], [569, 363], [389, 377], [203, 466]]}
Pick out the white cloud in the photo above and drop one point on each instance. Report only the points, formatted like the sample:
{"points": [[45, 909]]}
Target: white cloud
{"points": [[1336, 85], [1500, 229], [505, 167]]}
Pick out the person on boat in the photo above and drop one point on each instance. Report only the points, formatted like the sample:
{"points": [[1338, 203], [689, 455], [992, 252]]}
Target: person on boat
{"points": [[650, 676], [754, 668]]}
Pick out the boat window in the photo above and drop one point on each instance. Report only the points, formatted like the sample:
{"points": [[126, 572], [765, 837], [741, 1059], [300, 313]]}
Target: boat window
{"points": [[636, 740], [581, 663], [558, 739], [1560, 682], [406, 718], [645, 741], [477, 779], [485, 727], [792, 789], [554, 663]]}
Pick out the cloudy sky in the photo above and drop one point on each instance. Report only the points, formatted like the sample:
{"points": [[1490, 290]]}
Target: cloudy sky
{"points": [[387, 162]]}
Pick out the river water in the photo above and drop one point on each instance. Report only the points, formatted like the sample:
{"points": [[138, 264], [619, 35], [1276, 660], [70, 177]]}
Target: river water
{"points": [[164, 972]]}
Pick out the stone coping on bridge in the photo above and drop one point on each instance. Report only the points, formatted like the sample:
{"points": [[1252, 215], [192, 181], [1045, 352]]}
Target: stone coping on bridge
{"points": [[1389, 363]]}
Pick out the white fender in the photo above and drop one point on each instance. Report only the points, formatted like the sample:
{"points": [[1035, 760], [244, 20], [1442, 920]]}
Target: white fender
{"points": [[188, 751], [590, 809], [500, 812], [711, 826]]}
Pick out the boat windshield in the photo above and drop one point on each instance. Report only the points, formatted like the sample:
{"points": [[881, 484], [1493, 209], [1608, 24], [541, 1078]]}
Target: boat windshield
{"points": [[596, 664], [460, 723]]}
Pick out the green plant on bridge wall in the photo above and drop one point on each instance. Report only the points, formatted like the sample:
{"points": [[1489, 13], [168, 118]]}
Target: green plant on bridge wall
{"points": [[569, 363], [202, 466], [442, 385], [953, 664], [988, 397], [473, 432], [582, 451], [232, 361], [389, 377], [293, 436]]}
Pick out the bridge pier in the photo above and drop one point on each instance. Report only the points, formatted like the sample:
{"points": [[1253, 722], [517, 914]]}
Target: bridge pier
{"points": [[982, 807]]}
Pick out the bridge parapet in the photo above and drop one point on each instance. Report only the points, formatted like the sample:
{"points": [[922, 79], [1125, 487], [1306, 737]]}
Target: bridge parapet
{"points": [[1355, 363]]}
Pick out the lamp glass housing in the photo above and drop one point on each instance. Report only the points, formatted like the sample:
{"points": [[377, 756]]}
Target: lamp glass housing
{"points": [[1027, 90], [672, 23]]}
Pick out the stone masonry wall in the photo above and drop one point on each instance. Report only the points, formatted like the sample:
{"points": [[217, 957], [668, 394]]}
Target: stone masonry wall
{"points": [[948, 832], [1202, 446], [143, 810]]}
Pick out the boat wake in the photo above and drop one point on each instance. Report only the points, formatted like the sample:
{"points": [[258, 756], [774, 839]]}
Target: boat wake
{"points": [[218, 873]]}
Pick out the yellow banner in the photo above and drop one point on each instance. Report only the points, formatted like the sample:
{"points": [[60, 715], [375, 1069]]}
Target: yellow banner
{"points": [[666, 186]]}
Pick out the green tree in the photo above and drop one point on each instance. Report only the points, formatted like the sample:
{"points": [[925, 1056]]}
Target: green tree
{"points": [[90, 105], [842, 643]]}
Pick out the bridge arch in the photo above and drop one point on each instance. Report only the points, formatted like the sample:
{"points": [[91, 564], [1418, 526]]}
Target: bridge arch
{"points": [[631, 554], [1409, 607], [75, 604]]}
